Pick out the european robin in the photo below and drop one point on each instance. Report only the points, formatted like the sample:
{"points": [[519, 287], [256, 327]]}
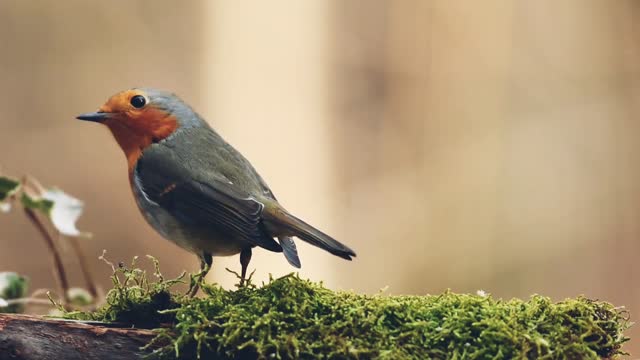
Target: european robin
{"points": [[195, 189]]}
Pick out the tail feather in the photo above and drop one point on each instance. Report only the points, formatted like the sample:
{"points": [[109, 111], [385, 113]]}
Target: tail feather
{"points": [[289, 250], [290, 225]]}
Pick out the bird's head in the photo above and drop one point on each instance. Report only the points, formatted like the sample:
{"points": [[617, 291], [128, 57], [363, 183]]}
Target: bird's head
{"points": [[140, 117]]}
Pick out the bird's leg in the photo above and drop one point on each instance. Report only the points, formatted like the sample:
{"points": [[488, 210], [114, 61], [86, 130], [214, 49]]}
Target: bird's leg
{"points": [[205, 265], [245, 258]]}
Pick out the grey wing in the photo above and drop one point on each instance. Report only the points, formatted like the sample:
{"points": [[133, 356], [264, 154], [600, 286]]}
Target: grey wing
{"points": [[286, 242], [215, 203], [255, 176]]}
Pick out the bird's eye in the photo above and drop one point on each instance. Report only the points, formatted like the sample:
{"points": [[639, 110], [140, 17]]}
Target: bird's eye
{"points": [[138, 101]]}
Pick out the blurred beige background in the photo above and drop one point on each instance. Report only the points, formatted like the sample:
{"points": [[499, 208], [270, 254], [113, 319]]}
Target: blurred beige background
{"points": [[453, 145]]}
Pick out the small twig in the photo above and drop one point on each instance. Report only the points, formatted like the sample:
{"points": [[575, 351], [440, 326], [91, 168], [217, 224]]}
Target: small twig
{"points": [[243, 282], [57, 260], [86, 271], [103, 258], [237, 274], [39, 292], [29, 301]]}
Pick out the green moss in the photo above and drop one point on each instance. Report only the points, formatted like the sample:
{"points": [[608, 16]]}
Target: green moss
{"points": [[134, 300], [292, 318]]}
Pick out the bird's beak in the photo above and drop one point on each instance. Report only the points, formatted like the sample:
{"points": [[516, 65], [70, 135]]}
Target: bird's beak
{"points": [[98, 116]]}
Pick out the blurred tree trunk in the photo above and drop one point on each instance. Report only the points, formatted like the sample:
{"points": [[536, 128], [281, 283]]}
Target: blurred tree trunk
{"points": [[491, 147], [421, 114]]}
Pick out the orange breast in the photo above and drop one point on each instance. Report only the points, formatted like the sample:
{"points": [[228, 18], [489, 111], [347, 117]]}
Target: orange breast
{"points": [[134, 134]]}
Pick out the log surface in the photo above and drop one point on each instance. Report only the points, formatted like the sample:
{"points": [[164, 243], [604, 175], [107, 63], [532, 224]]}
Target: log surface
{"points": [[35, 338]]}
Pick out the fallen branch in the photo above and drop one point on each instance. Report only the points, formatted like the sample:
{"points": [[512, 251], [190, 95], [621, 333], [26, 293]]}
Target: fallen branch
{"points": [[25, 337]]}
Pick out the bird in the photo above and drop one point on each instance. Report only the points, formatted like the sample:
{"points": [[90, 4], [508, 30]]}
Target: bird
{"points": [[197, 190]]}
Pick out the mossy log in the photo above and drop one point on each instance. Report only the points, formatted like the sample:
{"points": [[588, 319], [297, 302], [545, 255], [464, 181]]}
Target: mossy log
{"points": [[293, 318], [24, 337]]}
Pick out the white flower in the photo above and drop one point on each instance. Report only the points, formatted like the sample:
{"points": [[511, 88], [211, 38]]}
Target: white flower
{"points": [[65, 211], [481, 293]]}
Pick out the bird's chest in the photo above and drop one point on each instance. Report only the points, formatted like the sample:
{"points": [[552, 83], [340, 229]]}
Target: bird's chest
{"points": [[159, 218]]}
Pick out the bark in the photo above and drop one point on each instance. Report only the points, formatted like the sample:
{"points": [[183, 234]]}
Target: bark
{"points": [[34, 338]]}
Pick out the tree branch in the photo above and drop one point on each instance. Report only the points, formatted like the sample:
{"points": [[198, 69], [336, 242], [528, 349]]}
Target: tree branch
{"points": [[57, 260]]}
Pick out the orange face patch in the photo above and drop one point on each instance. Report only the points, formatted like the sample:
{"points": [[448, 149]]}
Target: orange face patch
{"points": [[135, 129]]}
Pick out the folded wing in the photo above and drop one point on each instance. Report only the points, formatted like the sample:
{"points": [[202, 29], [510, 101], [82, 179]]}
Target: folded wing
{"points": [[216, 203]]}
